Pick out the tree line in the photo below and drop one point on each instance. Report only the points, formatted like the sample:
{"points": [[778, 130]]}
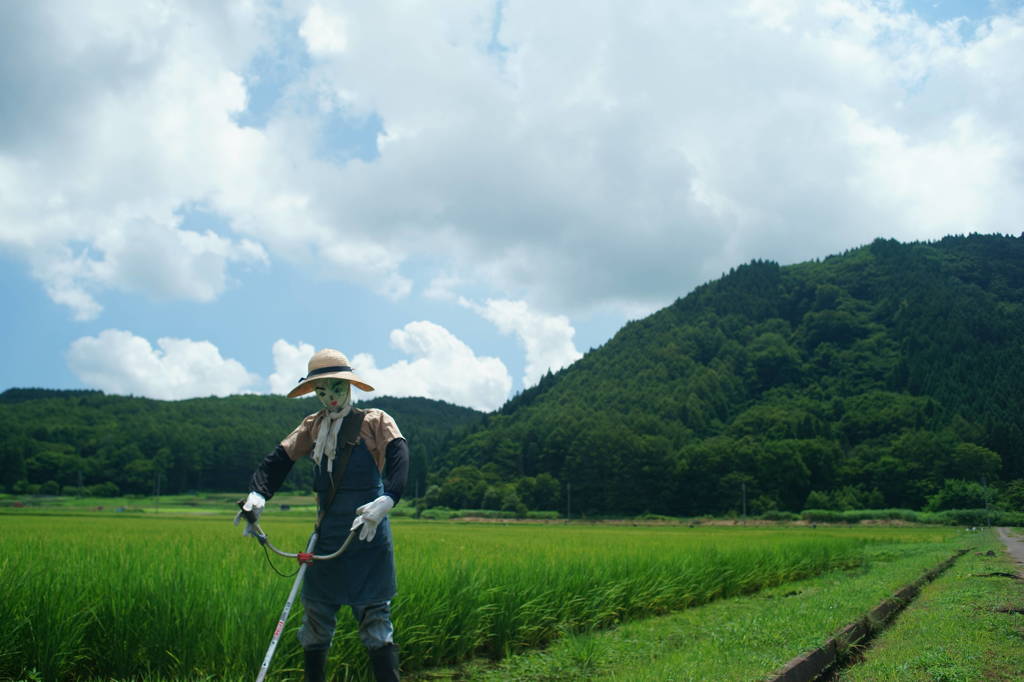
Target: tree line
{"points": [[86, 442]]}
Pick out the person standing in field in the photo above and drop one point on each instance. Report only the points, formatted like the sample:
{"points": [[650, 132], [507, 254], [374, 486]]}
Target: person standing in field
{"points": [[361, 461]]}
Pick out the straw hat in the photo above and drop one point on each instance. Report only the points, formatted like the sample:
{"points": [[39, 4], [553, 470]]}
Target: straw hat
{"points": [[327, 364]]}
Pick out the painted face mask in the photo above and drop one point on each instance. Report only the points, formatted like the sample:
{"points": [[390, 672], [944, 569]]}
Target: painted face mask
{"points": [[334, 394]]}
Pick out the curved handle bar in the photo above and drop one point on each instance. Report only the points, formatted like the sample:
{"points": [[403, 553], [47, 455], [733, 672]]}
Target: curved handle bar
{"points": [[263, 540], [261, 537]]}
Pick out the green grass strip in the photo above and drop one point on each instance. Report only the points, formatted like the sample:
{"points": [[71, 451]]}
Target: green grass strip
{"points": [[954, 631], [744, 638]]}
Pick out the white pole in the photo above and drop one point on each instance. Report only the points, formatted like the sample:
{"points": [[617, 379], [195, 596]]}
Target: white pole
{"points": [[284, 614]]}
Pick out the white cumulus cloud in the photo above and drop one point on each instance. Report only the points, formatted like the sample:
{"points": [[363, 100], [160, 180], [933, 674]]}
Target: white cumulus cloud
{"points": [[323, 31], [575, 155], [603, 154], [290, 364], [123, 121], [120, 120], [442, 367], [117, 361], [547, 339]]}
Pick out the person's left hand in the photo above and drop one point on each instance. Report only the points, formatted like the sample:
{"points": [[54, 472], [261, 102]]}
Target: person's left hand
{"points": [[253, 504], [370, 516]]}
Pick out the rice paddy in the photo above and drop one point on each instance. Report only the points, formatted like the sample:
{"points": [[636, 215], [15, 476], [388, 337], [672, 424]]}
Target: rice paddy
{"points": [[745, 638], [119, 597]]}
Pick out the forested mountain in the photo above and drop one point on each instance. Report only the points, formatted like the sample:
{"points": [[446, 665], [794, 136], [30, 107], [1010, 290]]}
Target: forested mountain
{"points": [[887, 376], [54, 441]]}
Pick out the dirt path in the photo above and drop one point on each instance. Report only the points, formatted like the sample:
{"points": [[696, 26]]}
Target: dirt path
{"points": [[1015, 546]]}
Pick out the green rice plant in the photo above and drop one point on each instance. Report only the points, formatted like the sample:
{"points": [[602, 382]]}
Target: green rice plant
{"points": [[552, 580], [746, 638], [147, 597]]}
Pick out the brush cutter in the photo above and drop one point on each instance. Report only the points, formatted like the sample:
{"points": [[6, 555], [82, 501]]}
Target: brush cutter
{"points": [[305, 559]]}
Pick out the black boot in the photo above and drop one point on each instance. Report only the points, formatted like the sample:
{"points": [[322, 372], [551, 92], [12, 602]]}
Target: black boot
{"points": [[316, 665], [384, 662]]}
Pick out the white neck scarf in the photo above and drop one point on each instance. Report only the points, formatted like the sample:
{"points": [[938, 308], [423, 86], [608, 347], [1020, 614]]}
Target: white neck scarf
{"points": [[327, 436]]}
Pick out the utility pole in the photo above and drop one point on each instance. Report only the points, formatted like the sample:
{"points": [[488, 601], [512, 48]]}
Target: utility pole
{"points": [[984, 487], [568, 501], [744, 487]]}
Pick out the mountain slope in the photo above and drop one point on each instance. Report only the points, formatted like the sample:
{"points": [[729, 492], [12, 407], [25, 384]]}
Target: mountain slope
{"points": [[870, 377]]}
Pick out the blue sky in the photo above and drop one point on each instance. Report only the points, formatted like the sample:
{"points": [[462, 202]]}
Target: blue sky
{"points": [[935, 11], [461, 196]]}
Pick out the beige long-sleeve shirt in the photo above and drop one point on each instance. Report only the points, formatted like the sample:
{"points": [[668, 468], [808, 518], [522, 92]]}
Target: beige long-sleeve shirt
{"points": [[377, 431]]}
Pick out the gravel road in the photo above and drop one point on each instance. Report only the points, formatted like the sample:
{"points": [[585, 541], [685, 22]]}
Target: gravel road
{"points": [[1015, 546]]}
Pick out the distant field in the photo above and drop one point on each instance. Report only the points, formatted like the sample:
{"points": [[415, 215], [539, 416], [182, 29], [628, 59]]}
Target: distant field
{"points": [[171, 596], [200, 503]]}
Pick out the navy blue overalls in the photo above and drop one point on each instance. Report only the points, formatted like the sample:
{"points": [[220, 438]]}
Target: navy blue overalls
{"points": [[365, 573]]}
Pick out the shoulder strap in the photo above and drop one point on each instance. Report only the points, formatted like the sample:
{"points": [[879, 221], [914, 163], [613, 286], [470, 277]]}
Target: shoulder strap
{"points": [[348, 436]]}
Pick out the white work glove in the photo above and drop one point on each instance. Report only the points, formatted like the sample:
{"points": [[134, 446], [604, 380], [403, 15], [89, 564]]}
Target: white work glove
{"points": [[254, 503], [370, 516]]}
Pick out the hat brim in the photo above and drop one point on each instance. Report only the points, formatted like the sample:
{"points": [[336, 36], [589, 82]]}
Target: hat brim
{"points": [[308, 385]]}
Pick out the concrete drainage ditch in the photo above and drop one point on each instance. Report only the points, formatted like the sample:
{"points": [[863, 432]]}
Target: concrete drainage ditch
{"points": [[814, 664]]}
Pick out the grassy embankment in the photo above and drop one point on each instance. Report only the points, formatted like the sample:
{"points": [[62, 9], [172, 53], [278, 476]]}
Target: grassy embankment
{"points": [[967, 625], [123, 596], [744, 638]]}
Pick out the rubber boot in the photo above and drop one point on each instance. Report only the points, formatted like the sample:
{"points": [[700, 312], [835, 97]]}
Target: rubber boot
{"points": [[384, 662], [316, 665]]}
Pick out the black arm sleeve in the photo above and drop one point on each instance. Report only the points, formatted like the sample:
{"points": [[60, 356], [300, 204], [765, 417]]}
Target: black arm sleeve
{"points": [[271, 472], [396, 464]]}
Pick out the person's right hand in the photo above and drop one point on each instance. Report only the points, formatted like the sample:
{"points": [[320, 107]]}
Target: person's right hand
{"points": [[253, 504]]}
